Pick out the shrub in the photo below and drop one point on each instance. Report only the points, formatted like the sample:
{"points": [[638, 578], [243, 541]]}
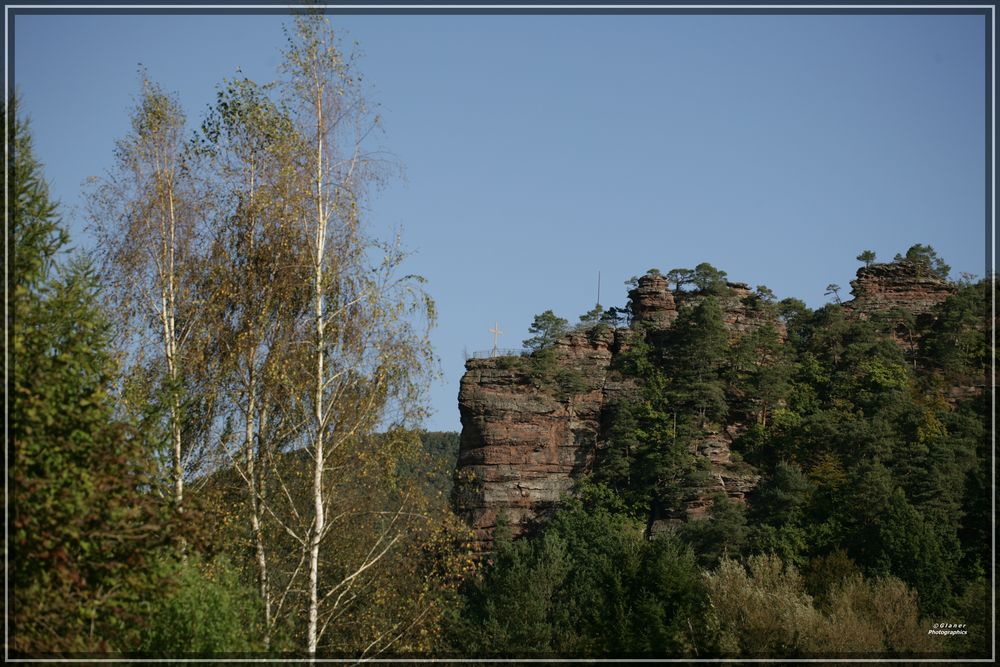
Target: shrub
{"points": [[208, 611], [763, 609]]}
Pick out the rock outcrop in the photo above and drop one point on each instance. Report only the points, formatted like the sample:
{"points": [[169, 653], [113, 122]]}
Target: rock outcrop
{"points": [[653, 302], [525, 437], [531, 425], [882, 289], [723, 476], [656, 307]]}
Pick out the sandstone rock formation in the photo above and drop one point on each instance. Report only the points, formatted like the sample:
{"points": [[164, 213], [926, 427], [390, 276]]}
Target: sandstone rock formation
{"points": [[656, 307], [725, 476], [524, 442], [653, 302], [531, 425], [881, 289]]}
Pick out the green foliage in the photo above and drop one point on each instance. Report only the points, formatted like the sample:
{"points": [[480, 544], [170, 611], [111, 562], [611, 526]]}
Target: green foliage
{"points": [[791, 310], [783, 497], [589, 585], [546, 373], [680, 278], [617, 316], [975, 605], [207, 611], [694, 357], [825, 572], [646, 459], [709, 279], [83, 526], [903, 543], [763, 610], [33, 221], [244, 116], [592, 316], [874, 462], [548, 328], [392, 481], [866, 452], [429, 462], [441, 449], [759, 373], [958, 341], [926, 259], [705, 278], [762, 300], [722, 535]]}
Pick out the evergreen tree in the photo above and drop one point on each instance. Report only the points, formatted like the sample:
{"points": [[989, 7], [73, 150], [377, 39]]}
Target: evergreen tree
{"points": [[958, 343], [926, 259], [83, 527], [679, 278], [709, 279], [548, 328], [866, 256], [696, 354], [722, 535], [589, 585]]}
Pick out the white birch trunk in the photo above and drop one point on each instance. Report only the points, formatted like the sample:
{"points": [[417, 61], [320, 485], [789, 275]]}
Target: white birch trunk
{"points": [[253, 477], [175, 407], [319, 521]]}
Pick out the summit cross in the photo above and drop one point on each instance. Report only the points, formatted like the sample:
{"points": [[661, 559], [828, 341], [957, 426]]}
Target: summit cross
{"points": [[496, 336]]}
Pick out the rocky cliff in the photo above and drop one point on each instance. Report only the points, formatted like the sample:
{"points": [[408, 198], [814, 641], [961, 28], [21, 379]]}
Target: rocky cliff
{"points": [[532, 426], [525, 439], [528, 433], [899, 287]]}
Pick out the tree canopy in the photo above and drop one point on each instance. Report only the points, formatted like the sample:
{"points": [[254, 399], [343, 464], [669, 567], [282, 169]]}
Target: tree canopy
{"points": [[926, 259], [547, 329]]}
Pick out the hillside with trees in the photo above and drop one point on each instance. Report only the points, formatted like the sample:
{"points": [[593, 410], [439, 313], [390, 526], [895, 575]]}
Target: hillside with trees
{"points": [[738, 475]]}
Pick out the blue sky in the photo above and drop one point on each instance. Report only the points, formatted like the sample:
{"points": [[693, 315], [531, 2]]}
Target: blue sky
{"points": [[539, 150]]}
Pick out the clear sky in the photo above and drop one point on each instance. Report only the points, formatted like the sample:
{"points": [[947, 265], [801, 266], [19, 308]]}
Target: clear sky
{"points": [[539, 150]]}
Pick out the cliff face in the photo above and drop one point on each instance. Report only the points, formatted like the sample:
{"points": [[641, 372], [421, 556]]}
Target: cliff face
{"points": [[523, 442], [528, 435], [653, 302], [881, 289]]}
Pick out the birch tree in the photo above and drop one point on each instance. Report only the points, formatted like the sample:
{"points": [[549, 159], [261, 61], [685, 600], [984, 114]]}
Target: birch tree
{"points": [[255, 270], [368, 355], [145, 217]]}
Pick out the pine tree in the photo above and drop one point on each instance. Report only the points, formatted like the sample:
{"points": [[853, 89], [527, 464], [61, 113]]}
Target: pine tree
{"points": [[695, 356]]}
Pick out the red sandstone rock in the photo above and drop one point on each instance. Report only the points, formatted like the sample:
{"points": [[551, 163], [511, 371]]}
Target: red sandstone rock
{"points": [[882, 288], [653, 302], [522, 447]]}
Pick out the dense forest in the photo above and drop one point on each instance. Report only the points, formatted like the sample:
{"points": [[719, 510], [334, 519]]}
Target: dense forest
{"points": [[216, 444]]}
